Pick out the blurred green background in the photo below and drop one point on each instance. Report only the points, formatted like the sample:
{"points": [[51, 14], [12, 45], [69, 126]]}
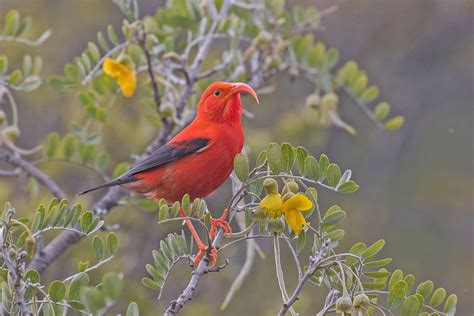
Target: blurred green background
{"points": [[416, 184]]}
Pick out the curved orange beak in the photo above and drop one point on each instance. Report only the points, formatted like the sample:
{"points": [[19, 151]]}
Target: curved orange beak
{"points": [[243, 88]]}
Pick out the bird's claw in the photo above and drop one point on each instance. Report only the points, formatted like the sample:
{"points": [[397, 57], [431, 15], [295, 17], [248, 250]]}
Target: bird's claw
{"points": [[220, 222]]}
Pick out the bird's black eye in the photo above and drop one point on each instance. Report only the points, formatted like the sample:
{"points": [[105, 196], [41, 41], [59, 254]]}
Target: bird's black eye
{"points": [[217, 93]]}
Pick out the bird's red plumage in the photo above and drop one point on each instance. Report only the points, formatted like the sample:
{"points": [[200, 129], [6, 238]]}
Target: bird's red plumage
{"points": [[199, 174]]}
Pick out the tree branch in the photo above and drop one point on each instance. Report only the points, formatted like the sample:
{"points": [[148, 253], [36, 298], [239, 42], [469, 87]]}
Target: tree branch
{"points": [[314, 264], [16, 160]]}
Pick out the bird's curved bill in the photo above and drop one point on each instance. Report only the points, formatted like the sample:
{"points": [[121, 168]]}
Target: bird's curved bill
{"points": [[244, 88]]}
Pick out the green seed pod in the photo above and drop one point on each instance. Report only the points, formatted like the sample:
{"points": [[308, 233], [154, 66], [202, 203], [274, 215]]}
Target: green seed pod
{"points": [[287, 196], [330, 100], [276, 226], [361, 302], [12, 252], [344, 305], [313, 101], [270, 185], [30, 245], [11, 133], [3, 117]]}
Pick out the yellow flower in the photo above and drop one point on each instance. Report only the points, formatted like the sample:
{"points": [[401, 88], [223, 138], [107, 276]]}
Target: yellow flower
{"points": [[291, 208], [124, 72], [273, 204]]}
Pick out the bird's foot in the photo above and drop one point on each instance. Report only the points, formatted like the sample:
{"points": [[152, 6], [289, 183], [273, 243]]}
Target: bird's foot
{"points": [[220, 222], [210, 251]]}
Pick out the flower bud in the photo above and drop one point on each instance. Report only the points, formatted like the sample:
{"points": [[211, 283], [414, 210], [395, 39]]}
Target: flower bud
{"points": [[12, 252], [313, 101], [3, 117], [344, 304], [204, 7], [287, 196], [11, 133], [270, 185], [292, 186], [361, 302], [330, 100], [276, 225]]}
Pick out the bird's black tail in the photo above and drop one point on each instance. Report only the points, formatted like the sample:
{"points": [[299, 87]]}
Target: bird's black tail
{"points": [[112, 183]]}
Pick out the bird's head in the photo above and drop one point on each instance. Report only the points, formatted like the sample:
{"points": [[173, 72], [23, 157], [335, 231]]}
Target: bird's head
{"points": [[220, 102]]}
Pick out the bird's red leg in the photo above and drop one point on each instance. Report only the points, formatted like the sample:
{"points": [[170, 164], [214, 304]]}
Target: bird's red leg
{"points": [[200, 244], [220, 222]]}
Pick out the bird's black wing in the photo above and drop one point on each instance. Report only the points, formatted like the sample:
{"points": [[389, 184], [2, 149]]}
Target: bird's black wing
{"points": [[169, 153], [163, 155]]}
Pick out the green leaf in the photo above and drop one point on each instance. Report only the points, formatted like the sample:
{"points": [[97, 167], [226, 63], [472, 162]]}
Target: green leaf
{"points": [[29, 84], [394, 123], [11, 23], [410, 280], [348, 187], [301, 242], [397, 294], [377, 274], [94, 299], [27, 64], [86, 221], [374, 249], [241, 167], [288, 157], [333, 216], [151, 284], [397, 275], [69, 145], [56, 291], [450, 305], [82, 266], [376, 286], [3, 64], [163, 213], [311, 168], [323, 166], [112, 284], [112, 242], [381, 111], [425, 288], [112, 35], [52, 144], [98, 247], [301, 154], [133, 310], [410, 306], [335, 235], [186, 205], [370, 94], [378, 263], [262, 158], [79, 281], [175, 209], [274, 158], [333, 174], [438, 297]]}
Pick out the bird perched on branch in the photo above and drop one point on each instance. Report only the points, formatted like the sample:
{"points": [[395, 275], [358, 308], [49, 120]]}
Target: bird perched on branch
{"points": [[198, 159]]}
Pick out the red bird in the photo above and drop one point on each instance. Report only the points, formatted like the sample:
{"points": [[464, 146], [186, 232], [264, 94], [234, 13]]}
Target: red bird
{"points": [[198, 159]]}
